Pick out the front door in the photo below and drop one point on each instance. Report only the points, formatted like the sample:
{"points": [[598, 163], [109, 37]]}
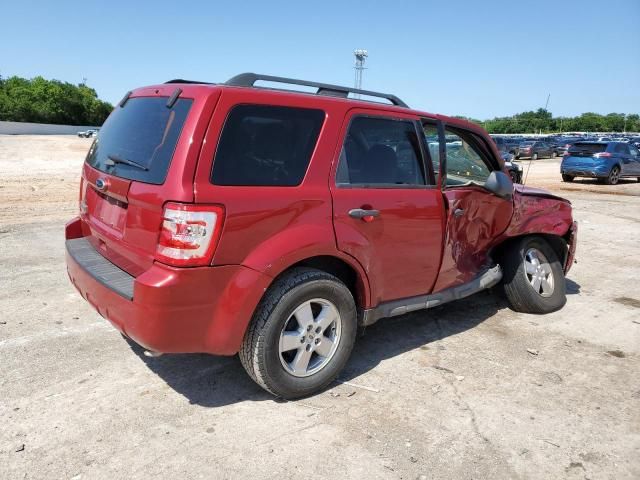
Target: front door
{"points": [[475, 216], [387, 210]]}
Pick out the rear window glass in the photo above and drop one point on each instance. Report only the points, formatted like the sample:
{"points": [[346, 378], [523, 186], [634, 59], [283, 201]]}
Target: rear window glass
{"points": [[588, 147], [264, 145], [138, 140]]}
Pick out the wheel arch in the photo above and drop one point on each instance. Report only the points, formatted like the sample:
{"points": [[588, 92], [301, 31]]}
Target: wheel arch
{"points": [[558, 243], [347, 270]]}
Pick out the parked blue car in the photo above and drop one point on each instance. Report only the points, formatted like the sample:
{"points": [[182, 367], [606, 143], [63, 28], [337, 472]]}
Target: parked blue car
{"points": [[606, 161]]}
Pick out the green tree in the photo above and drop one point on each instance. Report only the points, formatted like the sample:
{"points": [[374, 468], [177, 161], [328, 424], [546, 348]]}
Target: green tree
{"points": [[50, 101]]}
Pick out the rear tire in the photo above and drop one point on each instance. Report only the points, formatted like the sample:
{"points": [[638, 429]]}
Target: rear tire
{"points": [[533, 279], [567, 178], [614, 176], [290, 326]]}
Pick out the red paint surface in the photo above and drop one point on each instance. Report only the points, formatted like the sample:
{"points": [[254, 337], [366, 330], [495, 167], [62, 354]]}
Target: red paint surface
{"points": [[415, 246]]}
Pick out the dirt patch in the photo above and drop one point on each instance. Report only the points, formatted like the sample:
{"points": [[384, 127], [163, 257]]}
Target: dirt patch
{"points": [[448, 393], [617, 353], [628, 301]]}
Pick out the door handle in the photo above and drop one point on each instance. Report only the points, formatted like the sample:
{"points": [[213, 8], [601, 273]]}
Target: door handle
{"points": [[365, 215], [458, 212]]}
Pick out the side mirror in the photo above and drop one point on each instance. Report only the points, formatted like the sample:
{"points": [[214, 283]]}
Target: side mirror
{"points": [[499, 184]]}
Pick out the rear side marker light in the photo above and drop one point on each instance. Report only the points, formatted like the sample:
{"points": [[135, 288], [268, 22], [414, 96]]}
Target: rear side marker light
{"points": [[189, 234]]}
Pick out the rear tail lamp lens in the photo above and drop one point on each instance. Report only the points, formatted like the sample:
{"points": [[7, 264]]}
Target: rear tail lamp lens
{"points": [[83, 196], [602, 155], [189, 234]]}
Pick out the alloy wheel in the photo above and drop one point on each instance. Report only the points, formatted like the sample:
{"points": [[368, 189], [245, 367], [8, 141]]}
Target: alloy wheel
{"points": [[538, 272], [310, 337]]}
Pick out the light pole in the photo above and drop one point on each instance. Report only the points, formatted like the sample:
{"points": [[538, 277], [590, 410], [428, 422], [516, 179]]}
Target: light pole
{"points": [[361, 55]]}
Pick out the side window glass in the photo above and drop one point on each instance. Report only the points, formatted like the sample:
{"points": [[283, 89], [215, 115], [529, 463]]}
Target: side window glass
{"points": [[634, 150], [264, 145], [433, 145], [464, 163], [381, 151]]}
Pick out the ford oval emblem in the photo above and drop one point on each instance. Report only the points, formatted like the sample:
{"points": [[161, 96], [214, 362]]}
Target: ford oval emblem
{"points": [[101, 184]]}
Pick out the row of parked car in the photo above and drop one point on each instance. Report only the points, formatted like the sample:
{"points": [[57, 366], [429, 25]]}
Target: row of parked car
{"points": [[608, 159]]}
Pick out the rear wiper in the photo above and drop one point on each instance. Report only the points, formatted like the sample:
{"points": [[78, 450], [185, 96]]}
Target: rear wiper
{"points": [[113, 159]]}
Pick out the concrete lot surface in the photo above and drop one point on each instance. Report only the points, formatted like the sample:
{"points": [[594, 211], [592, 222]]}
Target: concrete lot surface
{"points": [[468, 390]]}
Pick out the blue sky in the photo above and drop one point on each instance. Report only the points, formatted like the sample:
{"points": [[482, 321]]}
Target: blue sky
{"points": [[476, 58]]}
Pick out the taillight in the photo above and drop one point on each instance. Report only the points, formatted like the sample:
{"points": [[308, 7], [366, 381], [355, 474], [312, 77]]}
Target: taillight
{"points": [[82, 202], [602, 155], [189, 234]]}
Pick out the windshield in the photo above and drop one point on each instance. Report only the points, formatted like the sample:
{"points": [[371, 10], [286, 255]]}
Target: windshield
{"points": [[138, 140]]}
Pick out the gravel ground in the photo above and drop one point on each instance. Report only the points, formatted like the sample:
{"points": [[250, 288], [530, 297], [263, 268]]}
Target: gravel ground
{"points": [[468, 390]]}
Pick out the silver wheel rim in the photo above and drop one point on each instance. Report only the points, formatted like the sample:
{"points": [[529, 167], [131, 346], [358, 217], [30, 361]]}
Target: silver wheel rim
{"points": [[614, 175], [538, 272], [310, 337]]}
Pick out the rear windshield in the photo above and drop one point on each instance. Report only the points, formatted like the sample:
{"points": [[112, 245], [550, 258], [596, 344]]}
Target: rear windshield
{"points": [[265, 145], [587, 148], [138, 140]]}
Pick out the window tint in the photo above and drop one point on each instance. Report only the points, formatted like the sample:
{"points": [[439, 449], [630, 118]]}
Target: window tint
{"points": [[137, 141], [464, 164], [381, 151], [264, 145], [622, 148], [587, 148]]}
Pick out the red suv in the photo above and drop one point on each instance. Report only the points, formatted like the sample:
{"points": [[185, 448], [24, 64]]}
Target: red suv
{"points": [[232, 218]]}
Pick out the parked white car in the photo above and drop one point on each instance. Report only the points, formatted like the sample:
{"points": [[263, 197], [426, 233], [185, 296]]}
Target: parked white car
{"points": [[88, 133]]}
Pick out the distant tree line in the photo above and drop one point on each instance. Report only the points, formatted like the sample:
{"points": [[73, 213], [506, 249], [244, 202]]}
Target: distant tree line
{"points": [[50, 101], [542, 121]]}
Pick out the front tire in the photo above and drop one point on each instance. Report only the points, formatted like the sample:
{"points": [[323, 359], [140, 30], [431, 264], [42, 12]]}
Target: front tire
{"points": [[533, 279], [301, 335], [567, 178]]}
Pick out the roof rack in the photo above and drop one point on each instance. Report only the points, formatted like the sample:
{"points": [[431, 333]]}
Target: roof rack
{"points": [[249, 79]]}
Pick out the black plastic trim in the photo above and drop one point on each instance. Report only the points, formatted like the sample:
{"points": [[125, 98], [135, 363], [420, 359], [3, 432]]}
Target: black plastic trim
{"points": [[181, 80], [101, 269], [174, 97], [125, 99], [487, 279]]}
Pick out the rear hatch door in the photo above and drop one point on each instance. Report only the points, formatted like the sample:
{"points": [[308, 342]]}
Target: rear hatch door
{"points": [[583, 154], [144, 156]]}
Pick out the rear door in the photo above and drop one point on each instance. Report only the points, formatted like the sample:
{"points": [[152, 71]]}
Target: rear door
{"points": [[623, 153], [475, 216], [387, 211]]}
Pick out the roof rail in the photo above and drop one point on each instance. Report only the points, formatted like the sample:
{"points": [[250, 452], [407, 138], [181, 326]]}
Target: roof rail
{"points": [[249, 79]]}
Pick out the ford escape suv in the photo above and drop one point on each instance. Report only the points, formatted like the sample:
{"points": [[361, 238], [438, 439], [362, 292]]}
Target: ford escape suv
{"points": [[237, 219]]}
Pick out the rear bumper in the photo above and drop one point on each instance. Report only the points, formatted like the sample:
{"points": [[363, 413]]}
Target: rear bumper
{"points": [[170, 310], [584, 170]]}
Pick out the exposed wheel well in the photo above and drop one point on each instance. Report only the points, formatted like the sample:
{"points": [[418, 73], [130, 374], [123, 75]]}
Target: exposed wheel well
{"points": [[339, 268], [559, 245]]}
